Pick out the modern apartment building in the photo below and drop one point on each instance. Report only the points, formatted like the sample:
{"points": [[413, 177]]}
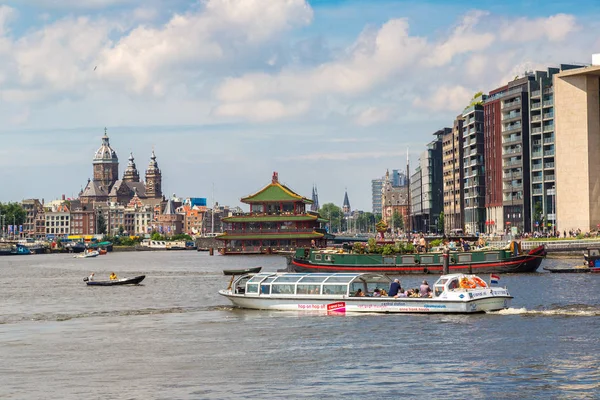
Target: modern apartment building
{"points": [[452, 176], [426, 186], [376, 190], [577, 140], [494, 176], [542, 148], [473, 166]]}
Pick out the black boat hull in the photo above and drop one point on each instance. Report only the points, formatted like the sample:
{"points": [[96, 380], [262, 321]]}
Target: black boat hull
{"points": [[526, 263], [130, 281]]}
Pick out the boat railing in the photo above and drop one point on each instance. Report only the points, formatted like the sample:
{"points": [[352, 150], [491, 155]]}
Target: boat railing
{"points": [[551, 245]]}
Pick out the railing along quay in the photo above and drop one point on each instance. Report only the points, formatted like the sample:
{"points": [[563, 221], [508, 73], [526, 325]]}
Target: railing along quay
{"points": [[553, 245]]}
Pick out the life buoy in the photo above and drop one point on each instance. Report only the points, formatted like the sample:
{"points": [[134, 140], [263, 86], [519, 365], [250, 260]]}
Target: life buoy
{"points": [[466, 283], [479, 282], [417, 261]]}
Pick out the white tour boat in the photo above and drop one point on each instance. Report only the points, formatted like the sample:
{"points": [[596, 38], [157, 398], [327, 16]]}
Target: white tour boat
{"points": [[335, 292]]}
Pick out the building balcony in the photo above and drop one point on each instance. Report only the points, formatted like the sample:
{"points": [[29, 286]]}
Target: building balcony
{"points": [[535, 105], [536, 154], [513, 163], [548, 165], [537, 191], [536, 130], [549, 115], [512, 139], [537, 142], [511, 116], [549, 178], [511, 128], [537, 117], [549, 140], [511, 104], [536, 179], [510, 177], [549, 128], [548, 103], [536, 93], [536, 167], [548, 153]]}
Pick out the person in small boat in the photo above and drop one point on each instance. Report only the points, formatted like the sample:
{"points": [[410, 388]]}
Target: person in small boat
{"points": [[394, 288], [359, 293], [91, 277], [424, 289], [377, 292], [113, 276]]}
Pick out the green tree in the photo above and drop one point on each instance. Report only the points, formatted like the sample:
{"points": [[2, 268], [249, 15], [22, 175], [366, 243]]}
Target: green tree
{"points": [[440, 224], [157, 236], [101, 224], [335, 216], [12, 214], [537, 213], [121, 229]]}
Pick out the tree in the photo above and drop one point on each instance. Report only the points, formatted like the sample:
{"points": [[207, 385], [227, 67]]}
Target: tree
{"points": [[537, 214], [440, 224], [398, 221], [101, 224], [335, 216]]}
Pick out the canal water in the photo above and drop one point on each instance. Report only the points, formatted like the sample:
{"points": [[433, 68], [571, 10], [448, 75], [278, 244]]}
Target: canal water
{"points": [[174, 337]]}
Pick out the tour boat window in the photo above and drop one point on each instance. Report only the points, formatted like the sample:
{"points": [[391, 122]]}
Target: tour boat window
{"points": [[287, 278], [314, 278], [252, 288], [318, 257], [308, 289], [594, 252], [464, 258], [426, 259], [265, 289], [282, 289], [492, 256], [335, 289], [408, 259], [438, 290], [339, 279], [328, 257]]}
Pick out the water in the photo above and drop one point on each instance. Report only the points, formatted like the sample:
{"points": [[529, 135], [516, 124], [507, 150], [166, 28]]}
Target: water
{"points": [[174, 337]]}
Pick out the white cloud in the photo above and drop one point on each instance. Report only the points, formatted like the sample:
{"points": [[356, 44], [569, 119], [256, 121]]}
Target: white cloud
{"points": [[372, 116], [346, 156], [263, 110], [446, 98], [6, 14], [554, 28]]}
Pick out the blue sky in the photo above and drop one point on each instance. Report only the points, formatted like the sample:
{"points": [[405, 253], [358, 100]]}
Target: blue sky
{"points": [[330, 93]]}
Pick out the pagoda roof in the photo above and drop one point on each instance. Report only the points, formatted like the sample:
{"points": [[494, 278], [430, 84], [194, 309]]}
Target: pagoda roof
{"points": [[275, 192], [270, 218], [269, 236]]}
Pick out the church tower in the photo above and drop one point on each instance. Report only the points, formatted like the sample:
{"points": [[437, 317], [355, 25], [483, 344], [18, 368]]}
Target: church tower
{"points": [[346, 206], [131, 173], [106, 165], [153, 179]]}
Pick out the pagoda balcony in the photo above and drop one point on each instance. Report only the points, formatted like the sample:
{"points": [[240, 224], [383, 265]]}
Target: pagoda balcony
{"points": [[283, 229]]}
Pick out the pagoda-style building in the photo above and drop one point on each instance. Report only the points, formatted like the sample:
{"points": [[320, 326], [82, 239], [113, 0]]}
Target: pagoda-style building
{"points": [[278, 221]]}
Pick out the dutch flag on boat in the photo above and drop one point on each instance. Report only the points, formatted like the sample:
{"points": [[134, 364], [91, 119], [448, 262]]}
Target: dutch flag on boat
{"points": [[494, 279]]}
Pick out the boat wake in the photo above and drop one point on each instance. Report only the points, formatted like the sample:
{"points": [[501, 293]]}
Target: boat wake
{"points": [[571, 311], [9, 319]]}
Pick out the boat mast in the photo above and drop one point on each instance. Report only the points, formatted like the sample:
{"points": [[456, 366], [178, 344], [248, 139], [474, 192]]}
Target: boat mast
{"points": [[212, 214], [408, 213]]}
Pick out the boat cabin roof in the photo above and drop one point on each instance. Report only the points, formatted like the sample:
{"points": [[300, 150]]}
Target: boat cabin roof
{"points": [[317, 278]]}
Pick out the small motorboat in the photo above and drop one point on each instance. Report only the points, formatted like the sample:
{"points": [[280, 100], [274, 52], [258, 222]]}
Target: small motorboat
{"points": [[230, 272], [88, 254], [591, 263], [123, 281]]}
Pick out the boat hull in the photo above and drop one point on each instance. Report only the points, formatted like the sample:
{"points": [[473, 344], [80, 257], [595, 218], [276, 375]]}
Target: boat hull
{"points": [[340, 304], [525, 263], [129, 281]]}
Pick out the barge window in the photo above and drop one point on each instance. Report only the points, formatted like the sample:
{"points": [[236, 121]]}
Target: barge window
{"points": [[492, 256], [408, 259], [335, 289], [265, 289], [464, 257], [282, 289], [594, 252], [252, 288], [328, 257], [308, 289], [426, 259], [318, 257]]}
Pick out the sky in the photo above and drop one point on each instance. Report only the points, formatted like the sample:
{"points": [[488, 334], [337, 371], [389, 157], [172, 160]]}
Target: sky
{"points": [[329, 93]]}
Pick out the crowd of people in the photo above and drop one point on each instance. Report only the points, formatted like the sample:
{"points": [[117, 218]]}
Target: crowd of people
{"points": [[396, 291]]}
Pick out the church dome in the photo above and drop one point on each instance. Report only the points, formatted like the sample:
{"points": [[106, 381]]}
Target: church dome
{"points": [[105, 152]]}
